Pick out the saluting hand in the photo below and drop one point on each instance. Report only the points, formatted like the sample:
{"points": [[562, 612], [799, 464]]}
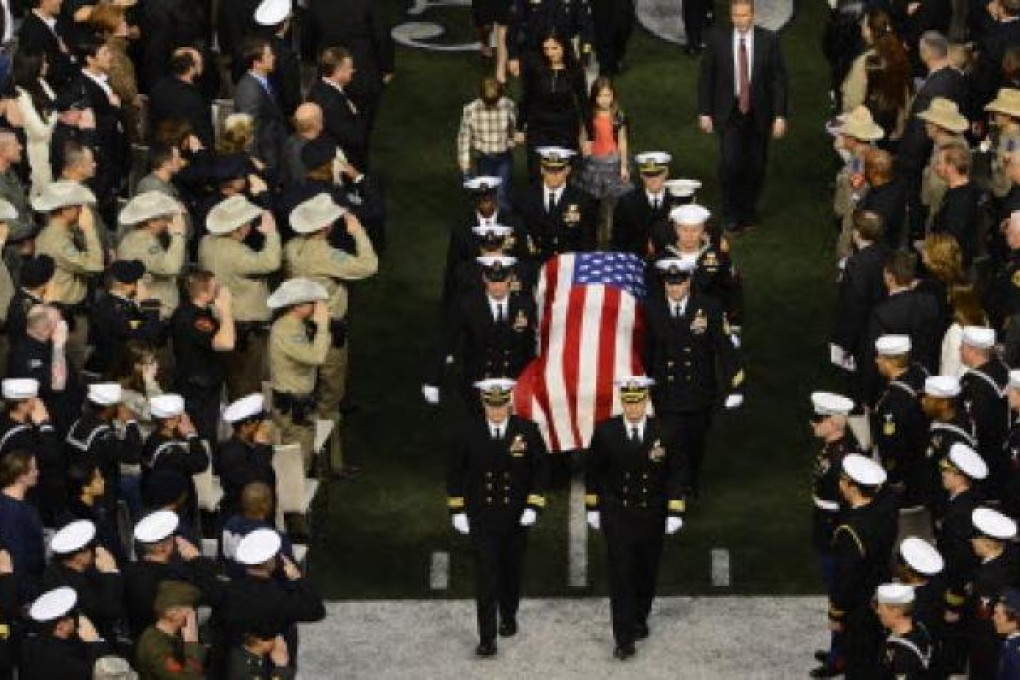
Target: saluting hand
{"points": [[279, 654], [354, 225], [6, 563]]}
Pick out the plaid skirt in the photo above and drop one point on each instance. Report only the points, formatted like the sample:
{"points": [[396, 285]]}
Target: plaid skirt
{"points": [[600, 177]]}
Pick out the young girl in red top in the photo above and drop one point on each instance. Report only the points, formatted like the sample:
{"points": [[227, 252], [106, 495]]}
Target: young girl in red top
{"points": [[606, 173]]}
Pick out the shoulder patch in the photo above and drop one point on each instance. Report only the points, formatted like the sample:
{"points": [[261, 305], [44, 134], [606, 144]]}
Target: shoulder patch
{"points": [[339, 255], [154, 249], [204, 324]]}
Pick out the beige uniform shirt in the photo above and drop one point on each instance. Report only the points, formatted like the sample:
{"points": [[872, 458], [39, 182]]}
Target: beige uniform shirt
{"points": [[315, 259], [293, 358], [162, 265], [73, 266], [1000, 183], [243, 271]]}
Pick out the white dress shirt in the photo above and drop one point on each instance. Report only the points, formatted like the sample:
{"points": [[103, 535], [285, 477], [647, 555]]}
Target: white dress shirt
{"points": [[498, 430], [490, 221], [675, 304], [640, 426], [749, 41], [100, 79], [494, 305], [557, 194], [656, 200]]}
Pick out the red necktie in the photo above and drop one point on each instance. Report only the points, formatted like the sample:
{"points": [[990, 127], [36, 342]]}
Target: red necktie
{"points": [[744, 91]]}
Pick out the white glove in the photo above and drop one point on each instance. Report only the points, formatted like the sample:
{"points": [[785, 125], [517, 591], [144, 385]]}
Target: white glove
{"points": [[673, 524], [594, 520], [528, 517], [734, 401], [460, 523], [449, 360], [431, 394]]}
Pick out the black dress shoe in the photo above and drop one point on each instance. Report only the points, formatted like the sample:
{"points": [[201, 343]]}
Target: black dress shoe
{"points": [[826, 671], [641, 631], [508, 627], [624, 652], [821, 655], [486, 649]]}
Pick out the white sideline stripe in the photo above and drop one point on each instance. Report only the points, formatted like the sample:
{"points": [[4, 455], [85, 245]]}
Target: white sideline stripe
{"points": [[720, 567], [439, 573], [577, 543]]}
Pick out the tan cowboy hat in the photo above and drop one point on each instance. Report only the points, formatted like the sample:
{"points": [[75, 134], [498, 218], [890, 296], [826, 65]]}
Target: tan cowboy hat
{"points": [[860, 125], [1007, 101], [946, 114], [230, 214], [315, 214], [295, 292], [62, 194], [148, 206]]}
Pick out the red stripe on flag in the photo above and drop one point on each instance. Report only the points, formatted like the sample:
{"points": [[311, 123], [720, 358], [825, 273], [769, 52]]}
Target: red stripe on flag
{"points": [[572, 357], [607, 353]]}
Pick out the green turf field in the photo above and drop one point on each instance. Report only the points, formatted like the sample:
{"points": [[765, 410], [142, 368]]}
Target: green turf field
{"points": [[376, 534]]}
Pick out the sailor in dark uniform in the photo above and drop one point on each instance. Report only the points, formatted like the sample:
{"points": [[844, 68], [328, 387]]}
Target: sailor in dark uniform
{"points": [[558, 217], [922, 567], [1011, 481], [829, 425], [996, 570], [899, 431], [949, 425], [493, 332], [636, 486], [692, 358], [982, 391], [908, 645], [124, 313], [641, 212], [492, 241], [248, 455], [36, 273], [62, 643], [495, 491], [174, 446]]}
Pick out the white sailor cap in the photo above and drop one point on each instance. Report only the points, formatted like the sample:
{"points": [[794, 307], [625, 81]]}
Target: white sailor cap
{"points": [[967, 461], [295, 292], [894, 593], [105, 394], [943, 386], [863, 470], [246, 407], [1014, 379], [20, 388], [156, 526], [921, 556], [484, 230], [555, 157], [979, 337], [691, 213], [166, 405], [258, 547], [53, 604], [993, 524], [482, 184], [893, 345], [652, 162], [272, 12], [682, 187], [830, 404], [73, 537]]}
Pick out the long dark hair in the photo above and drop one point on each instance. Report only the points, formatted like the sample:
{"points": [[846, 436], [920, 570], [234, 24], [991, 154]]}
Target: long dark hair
{"points": [[569, 58], [27, 70], [888, 70]]}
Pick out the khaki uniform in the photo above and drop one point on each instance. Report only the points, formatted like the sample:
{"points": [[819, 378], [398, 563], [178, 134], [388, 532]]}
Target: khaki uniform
{"points": [[243, 271], [162, 265], [294, 360], [844, 203], [73, 267], [315, 259]]}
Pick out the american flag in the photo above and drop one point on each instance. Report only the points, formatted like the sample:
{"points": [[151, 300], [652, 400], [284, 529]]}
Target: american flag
{"points": [[590, 325]]}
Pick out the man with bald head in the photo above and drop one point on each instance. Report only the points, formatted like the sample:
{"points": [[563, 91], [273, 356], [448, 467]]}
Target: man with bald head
{"points": [[307, 126], [178, 96], [886, 196]]}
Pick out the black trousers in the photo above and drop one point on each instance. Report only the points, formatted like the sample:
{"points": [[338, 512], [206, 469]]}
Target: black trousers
{"points": [[614, 23], [634, 544], [689, 434], [499, 557], [695, 14], [203, 405], [862, 640], [743, 152]]}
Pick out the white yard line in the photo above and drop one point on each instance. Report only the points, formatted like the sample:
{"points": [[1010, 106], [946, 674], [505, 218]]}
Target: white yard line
{"points": [[577, 543], [720, 567], [439, 572]]}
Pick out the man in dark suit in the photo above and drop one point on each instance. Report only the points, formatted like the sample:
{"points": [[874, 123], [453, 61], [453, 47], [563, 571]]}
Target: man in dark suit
{"points": [[356, 26], [492, 332], [274, 21], [915, 146], [691, 355], [177, 96], [905, 311], [495, 491], [742, 94], [559, 218], [635, 491], [959, 214], [861, 285], [42, 31], [640, 210], [255, 96], [343, 121]]}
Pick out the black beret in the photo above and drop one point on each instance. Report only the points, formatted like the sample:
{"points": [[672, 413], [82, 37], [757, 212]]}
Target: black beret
{"points": [[127, 271], [36, 271]]}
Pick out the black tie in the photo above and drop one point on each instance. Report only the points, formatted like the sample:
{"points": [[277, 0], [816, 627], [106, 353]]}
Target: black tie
{"points": [[551, 205], [677, 312], [634, 436], [496, 433], [655, 202], [499, 313]]}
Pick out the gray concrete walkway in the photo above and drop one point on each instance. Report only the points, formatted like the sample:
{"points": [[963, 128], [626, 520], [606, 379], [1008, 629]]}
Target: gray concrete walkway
{"points": [[713, 638]]}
